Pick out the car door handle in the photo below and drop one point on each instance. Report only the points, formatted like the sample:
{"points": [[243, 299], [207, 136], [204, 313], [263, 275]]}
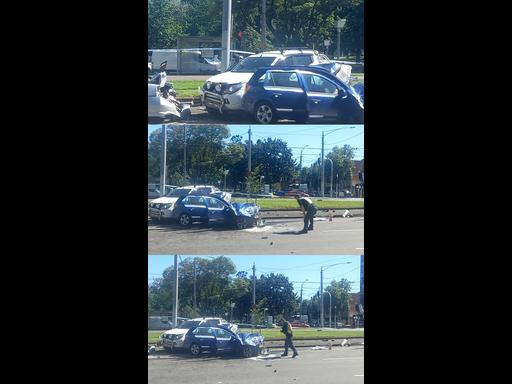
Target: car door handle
{"points": [[277, 94], [315, 101]]}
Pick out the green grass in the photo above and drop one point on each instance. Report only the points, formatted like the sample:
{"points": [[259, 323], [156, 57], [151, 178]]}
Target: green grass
{"points": [[275, 334], [290, 203], [187, 88], [360, 77]]}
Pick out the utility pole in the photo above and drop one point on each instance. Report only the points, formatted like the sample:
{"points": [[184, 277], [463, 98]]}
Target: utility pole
{"points": [[335, 324], [300, 164], [253, 293], [195, 302], [175, 314], [163, 155], [226, 34], [185, 151], [322, 297], [250, 165], [322, 183], [263, 24]]}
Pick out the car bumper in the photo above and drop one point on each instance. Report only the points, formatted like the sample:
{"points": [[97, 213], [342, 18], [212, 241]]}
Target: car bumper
{"points": [[160, 213], [177, 343], [232, 102]]}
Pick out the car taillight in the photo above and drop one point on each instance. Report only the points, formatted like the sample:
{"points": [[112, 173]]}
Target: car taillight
{"points": [[247, 87]]}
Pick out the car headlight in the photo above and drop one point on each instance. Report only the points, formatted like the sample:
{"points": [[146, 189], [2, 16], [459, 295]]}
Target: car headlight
{"points": [[218, 87], [234, 88], [208, 85]]}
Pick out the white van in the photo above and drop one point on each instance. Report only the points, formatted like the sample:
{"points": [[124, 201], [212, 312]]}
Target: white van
{"points": [[191, 61]]}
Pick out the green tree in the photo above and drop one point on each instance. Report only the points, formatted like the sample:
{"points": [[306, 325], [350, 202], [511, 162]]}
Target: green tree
{"points": [[278, 291], [165, 23]]}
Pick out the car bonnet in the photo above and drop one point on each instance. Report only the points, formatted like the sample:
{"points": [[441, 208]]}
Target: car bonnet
{"points": [[231, 77], [245, 209], [253, 339]]}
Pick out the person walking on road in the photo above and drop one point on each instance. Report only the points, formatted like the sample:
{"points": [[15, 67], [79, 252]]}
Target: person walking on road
{"points": [[286, 328], [309, 210]]}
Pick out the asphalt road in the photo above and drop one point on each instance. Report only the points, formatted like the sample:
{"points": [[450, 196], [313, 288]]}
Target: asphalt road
{"points": [[339, 365], [342, 236], [200, 116]]}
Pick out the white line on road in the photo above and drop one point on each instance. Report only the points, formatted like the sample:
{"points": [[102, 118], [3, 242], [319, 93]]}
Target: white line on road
{"points": [[342, 230], [360, 249], [359, 375]]}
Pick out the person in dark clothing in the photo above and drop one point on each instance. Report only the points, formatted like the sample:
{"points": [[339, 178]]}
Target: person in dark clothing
{"points": [[286, 328], [309, 210]]}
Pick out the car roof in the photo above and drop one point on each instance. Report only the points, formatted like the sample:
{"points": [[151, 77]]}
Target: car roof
{"points": [[299, 68]]}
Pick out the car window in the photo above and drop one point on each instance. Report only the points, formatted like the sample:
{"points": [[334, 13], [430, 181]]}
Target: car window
{"points": [[194, 200], [282, 79], [213, 203], [212, 323], [316, 83], [203, 191], [223, 334], [203, 331]]}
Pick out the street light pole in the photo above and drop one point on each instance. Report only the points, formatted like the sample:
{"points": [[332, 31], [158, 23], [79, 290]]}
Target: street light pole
{"points": [[300, 164], [185, 151], [332, 166], [253, 292], [226, 34], [175, 313], [322, 183], [163, 160], [263, 24], [322, 297], [302, 285], [250, 165], [330, 302]]}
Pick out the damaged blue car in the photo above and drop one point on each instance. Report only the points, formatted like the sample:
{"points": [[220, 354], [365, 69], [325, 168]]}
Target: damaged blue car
{"points": [[212, 209], [221, 340]]}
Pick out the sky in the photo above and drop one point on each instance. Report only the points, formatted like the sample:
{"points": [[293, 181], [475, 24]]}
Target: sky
{"points": [[298, 136], [297, 268]]}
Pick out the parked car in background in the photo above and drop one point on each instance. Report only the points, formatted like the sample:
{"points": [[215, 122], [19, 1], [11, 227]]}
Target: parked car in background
{"points": [[301, 94], [174, 337], [211, 209], [298, 324], [220, 340], [224, 92], [161, 208]]}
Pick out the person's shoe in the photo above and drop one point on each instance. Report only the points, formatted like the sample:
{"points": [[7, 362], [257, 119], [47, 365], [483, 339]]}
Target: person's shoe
{"points": [[303, 231], [310, 228], [295, 354], [284, 354]]}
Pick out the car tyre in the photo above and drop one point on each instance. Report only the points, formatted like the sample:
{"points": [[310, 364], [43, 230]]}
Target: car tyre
{"points": [[213, 112], [246, 351], [264, 113], [195, 349], [185, 220]]}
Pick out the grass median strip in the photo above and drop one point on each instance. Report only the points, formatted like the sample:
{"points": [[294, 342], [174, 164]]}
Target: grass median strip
{"points": [[187, 88], [290, 203], [275, 334]]}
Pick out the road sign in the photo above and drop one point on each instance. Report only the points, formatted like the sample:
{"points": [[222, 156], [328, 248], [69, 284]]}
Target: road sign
{"points": [[327, 42]]}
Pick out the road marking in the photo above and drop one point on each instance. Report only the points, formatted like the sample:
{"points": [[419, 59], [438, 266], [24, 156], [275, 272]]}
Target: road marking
{"points": [[361, 249], [342, 230], [359, 375]]}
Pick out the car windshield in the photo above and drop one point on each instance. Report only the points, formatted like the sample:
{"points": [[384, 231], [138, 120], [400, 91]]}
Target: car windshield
{"points": [[252, 64], [189, 324], [178, 192]]}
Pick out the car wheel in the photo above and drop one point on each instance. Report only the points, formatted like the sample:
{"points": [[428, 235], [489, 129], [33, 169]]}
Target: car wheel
{"points": [[264, 113], [246, 351], [195, 349], [185, 220], [213, 112]]}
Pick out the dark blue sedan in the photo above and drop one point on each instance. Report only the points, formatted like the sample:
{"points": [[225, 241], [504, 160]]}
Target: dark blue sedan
{"points": [[212, 209], [213, 339], [301, 94]]}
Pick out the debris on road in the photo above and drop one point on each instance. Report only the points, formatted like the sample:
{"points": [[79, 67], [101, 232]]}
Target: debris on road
{"points": [[318, 348], [347, 213], [345, 343]]}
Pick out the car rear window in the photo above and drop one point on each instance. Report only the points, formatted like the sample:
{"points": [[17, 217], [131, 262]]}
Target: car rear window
{"points": [[298, 60], [252, 64], [178, 192]]}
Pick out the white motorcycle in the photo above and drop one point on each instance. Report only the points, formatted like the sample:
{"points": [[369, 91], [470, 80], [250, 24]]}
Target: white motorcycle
{"points": [[162, 104]]}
